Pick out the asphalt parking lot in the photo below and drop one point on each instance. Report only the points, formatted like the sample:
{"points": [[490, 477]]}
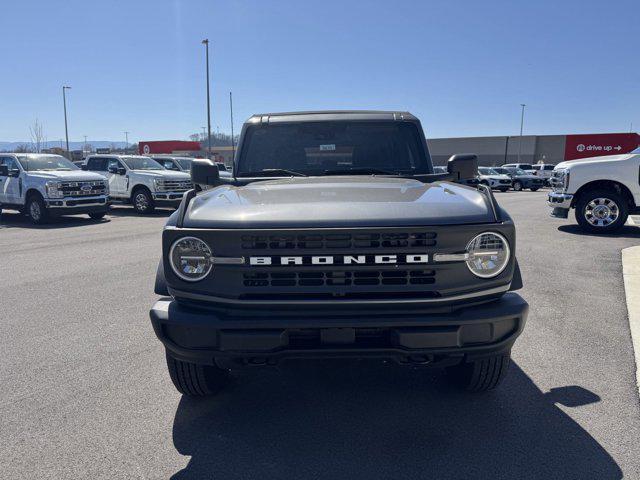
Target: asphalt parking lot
{"points": [[85, 392]]}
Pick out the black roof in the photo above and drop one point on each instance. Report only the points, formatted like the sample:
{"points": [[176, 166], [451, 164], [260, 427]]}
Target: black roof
{"points": [[329, 115]]}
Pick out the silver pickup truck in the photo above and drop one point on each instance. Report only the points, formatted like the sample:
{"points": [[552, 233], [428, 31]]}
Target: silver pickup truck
{"points": [[42, 186]]}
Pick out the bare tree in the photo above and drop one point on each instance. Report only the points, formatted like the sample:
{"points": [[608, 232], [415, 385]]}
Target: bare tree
{"points": [[195, 137], [22, 148], [37, 135]]}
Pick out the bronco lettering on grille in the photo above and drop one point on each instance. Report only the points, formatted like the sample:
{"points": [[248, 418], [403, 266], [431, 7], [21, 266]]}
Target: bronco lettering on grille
{"points": [[340, 260]]}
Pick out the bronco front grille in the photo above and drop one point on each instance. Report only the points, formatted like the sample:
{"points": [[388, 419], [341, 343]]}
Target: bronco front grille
{"points": [[332, 278], [339, 240]]}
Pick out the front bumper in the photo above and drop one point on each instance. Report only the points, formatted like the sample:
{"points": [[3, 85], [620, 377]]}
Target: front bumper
{"points": [[208, 337], [168, 198], [560, 204], [77, 205]]}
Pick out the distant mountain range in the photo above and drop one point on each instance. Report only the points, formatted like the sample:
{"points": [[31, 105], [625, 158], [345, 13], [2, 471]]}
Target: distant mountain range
{"points": [[11, 146]]}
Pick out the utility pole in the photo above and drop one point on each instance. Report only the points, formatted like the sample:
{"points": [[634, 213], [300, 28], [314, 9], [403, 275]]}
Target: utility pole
{"points": [[84, 148], [126, 141], [66, 129], [205, 42], [233, 141], [521, 128]]}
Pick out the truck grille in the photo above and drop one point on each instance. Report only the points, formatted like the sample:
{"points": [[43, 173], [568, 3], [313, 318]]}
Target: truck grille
{"points": [[174, 185], [339, 278], [83, 189], [340, 240]]}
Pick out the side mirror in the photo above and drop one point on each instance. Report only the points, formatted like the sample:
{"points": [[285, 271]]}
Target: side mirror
{"points": [[15, 173], [204, 172], [4, 171], [121, 171], [112, 169], [83, 166], [463, 166]]}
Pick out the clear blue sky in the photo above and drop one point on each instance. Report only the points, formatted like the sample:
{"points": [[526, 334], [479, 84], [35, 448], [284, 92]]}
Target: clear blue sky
{"points": [[462, 67]]}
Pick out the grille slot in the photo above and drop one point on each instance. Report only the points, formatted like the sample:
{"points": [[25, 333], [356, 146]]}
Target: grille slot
{"points": [[339, 241], [340, 278]]}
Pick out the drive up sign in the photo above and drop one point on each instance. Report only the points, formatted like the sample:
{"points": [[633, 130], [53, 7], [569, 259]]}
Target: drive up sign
{"points": [[597, 145]]}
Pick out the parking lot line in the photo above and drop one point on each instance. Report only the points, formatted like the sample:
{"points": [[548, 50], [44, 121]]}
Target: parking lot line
{"points": [[631, 276]]}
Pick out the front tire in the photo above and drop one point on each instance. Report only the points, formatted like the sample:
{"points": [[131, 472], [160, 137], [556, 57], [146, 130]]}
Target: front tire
{"points": [[36, 209], [143, 201], [482, 374], [195, 380], [601, 211], [517, 186], [503, 189], [534, 189], [97, 215]]}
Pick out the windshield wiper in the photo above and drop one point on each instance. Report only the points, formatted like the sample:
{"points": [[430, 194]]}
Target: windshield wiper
{"points": [[275, 171], [360, 171]]}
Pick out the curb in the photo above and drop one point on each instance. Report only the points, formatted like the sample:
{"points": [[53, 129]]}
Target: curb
{"points": [[631, 277]]}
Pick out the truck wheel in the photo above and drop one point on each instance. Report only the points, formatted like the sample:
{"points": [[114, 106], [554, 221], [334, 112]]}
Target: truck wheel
{"points": [[517, 186], [36, 209], [601, 211], [482, 374], [97, 215], [503, 189], [143, 201], [196, 380], [534, 189]]}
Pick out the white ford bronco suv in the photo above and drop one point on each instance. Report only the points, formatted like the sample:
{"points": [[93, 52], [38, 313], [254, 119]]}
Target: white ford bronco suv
{"points": [[603, 190], [42, 185], [140, 181]]}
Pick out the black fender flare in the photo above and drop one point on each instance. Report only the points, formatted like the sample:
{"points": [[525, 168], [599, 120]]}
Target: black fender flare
{"points": [[516, 281], [160, 287]]}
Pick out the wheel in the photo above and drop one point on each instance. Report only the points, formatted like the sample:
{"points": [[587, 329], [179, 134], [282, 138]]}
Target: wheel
{"points": [[97, 215], [601, 211], [482, 374], [503, 189], [517, 185], [36, 209], [196, 380], [142, 201], [534, 189]]}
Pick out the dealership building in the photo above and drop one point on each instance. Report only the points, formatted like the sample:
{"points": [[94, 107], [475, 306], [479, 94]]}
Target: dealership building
{"points": [[494, 151]]}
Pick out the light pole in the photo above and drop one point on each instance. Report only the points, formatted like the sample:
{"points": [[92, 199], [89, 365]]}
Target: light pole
{"points": [[521, 127], [233, 142], [204, 133], [66, 129], [205, 42], [84, 147], [126, 141]]}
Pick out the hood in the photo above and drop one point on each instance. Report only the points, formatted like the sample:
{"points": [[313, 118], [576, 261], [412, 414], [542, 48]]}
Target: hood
{"points": [[499, 176], [67, 176], [168, 174], [326, 202], [603, 159]]}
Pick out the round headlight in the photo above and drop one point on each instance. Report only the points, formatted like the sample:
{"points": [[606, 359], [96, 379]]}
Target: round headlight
{"points": [[488, 254], [190, 259]]}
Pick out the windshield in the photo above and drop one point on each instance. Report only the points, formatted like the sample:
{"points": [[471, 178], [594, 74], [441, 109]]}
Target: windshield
{"points": [[487, 171], [518, 171], [45, 162], [141, 163], [185, 163], [322, 148]]}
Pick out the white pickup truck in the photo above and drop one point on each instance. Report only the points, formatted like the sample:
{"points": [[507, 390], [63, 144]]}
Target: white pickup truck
{"points": [[603, 190], [42, 185], [140, 181]]}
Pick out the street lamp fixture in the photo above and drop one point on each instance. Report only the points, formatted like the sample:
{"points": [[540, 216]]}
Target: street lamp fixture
{"points": [[205, 42]]}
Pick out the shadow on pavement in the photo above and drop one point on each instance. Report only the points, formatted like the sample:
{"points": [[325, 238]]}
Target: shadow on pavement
{"points": [[627, 231], [125, 211], [383, 421], [17, 220]]}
